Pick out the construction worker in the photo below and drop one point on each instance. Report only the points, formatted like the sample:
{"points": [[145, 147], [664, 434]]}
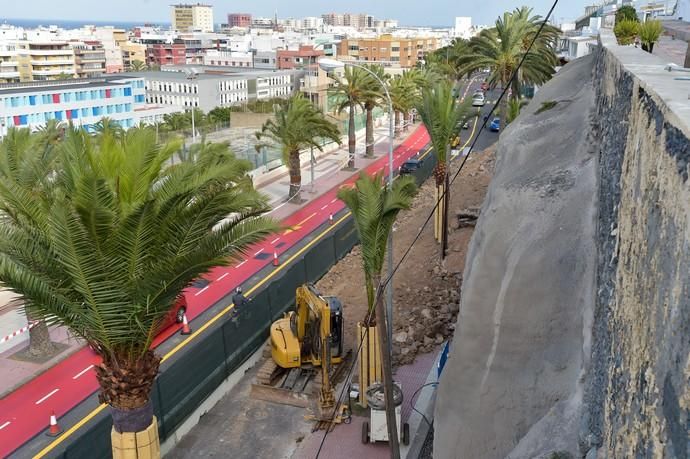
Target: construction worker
{"points": [[240, 301]]}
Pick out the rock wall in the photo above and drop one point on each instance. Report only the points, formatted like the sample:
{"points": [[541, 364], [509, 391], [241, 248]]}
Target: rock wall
{"points": [[638, 385], [573, 338]]}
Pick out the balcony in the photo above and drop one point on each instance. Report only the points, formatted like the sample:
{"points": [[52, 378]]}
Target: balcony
{"points": [[9, 64], [51, 62], [51, 72], [6, 75], [48, 52], [90, 58]]}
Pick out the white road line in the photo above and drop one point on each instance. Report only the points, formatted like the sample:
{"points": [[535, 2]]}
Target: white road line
{"points": [[334, 200], [46, 397], [4, 425], [275, 240], [222, 277], [258, 252], [323, 207], [201, 291], [241, 264], [82, 372]]}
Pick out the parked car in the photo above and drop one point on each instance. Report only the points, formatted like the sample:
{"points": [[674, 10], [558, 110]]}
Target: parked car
{"points": [[495, 125], [176, 313], [478, 99], [411, 165]]}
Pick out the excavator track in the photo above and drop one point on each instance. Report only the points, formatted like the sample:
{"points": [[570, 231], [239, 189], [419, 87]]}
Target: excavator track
{"points": [[266, 373]]}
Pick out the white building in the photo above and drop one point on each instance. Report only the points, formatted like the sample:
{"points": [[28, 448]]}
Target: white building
{"points": [[312, 23], [192, 17], [215, 58], [463, 27]]}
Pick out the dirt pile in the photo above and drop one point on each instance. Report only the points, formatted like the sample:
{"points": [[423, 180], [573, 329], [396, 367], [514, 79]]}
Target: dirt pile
{"points": [[426, 293]]}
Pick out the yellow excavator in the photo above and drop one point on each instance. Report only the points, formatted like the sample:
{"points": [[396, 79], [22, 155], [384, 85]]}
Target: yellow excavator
{"points": [[305, 339]]}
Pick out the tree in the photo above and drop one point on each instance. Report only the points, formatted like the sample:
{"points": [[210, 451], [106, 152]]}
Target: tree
{"points": [[650, 31], [372, 99], [111, 236], [404, 96], [64, 76], [297, 126], [22, 156], [375, 208], [502, 48], [625, 31], [626, 13], [441, 116], [351, 91], [176, 121], [220, 115], [514, 106], [138, 66]]}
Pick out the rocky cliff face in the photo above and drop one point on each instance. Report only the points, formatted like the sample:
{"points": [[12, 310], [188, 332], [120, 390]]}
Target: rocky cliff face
{"points": [[574, 330], [638, 386]]}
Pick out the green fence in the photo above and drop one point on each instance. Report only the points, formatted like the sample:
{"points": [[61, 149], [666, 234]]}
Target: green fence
{"points": [[192, 375]]}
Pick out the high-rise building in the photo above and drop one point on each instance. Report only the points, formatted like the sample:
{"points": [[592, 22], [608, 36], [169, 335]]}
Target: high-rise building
{"points": [[192, 17], [239, 20], [9, 66], [358, 21]]}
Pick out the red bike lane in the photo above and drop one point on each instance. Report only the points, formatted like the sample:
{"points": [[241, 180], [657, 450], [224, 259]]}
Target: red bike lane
{"points": [[25, 412]]}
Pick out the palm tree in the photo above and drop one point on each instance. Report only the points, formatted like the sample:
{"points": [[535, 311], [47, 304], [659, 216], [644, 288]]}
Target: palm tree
{"points": [[372, 99], [137, 66], [298, 125], [176, 121], [502, 48], [111, 235], [404, 95], [441, 116], [375, 208], [352, 91]]}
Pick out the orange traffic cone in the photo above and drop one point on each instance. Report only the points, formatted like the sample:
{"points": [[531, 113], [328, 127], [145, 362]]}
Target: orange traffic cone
{"points": [[330, 219], [276, 262], [54, 430], [185, 326]]}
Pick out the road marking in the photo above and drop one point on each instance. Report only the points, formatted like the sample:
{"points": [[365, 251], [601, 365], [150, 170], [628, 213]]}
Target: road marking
{"points": [[201, 291], [258, 252], [306, 219], [4, 425], [79, 424], [275, 240], [46, 397], [333, 200], [323, 207], [222, 277], [82, 372]]}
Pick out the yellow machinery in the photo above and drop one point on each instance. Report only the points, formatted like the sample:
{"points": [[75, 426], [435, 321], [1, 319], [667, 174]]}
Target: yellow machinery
{"points": [[311, 336]]}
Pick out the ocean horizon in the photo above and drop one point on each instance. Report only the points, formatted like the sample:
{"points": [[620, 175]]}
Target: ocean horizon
{"points": [[70, 24]]}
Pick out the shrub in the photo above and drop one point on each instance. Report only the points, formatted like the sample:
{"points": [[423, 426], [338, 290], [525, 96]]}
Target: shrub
{"points": [[649, 34], [626, 31], [626, 12]]}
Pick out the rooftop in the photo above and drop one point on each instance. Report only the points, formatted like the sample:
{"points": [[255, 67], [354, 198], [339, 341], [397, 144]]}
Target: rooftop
{"points": [[34, 86]]}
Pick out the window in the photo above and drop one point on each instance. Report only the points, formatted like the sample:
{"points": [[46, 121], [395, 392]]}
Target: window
{"points": [[353, 48], [395, 49]]}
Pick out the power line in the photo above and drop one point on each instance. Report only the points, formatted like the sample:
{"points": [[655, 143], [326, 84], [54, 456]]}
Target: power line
{"points": [[426, 222]]}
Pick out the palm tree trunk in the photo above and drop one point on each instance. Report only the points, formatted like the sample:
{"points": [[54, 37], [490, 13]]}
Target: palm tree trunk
{"points": [[295, 168], [351, 138], [397, 124], [370, 131], [126, 387], [40, 344], [391, 423], [444, 218]]}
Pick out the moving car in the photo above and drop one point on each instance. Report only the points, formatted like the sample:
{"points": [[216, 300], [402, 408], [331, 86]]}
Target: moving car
{"points": [[478, 99], [495, 125], [411, 165]]}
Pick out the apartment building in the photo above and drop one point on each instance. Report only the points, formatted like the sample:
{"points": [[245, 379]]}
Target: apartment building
{"points": [[266, 60], [306, 55], [132, 52], [403, 52], [9, 65], [358, 21], [192, 17], [112, 40], [45, 60], [214, 88], [83, 102], [239, 20], [166, 54], [89, 59]]}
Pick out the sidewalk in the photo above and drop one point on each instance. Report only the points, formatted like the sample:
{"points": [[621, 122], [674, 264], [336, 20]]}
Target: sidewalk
{"points": [[275, 184]]}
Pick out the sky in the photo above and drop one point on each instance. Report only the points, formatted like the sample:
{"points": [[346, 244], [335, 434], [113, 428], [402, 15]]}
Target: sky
{"points": [[408, 12]]}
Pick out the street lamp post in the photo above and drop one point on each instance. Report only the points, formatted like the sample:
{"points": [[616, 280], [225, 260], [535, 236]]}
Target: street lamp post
{"points": [[329, 65], [191, 76]]}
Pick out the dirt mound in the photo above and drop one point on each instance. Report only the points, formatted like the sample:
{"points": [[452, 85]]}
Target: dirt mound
{"points": [[426, 294]]}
